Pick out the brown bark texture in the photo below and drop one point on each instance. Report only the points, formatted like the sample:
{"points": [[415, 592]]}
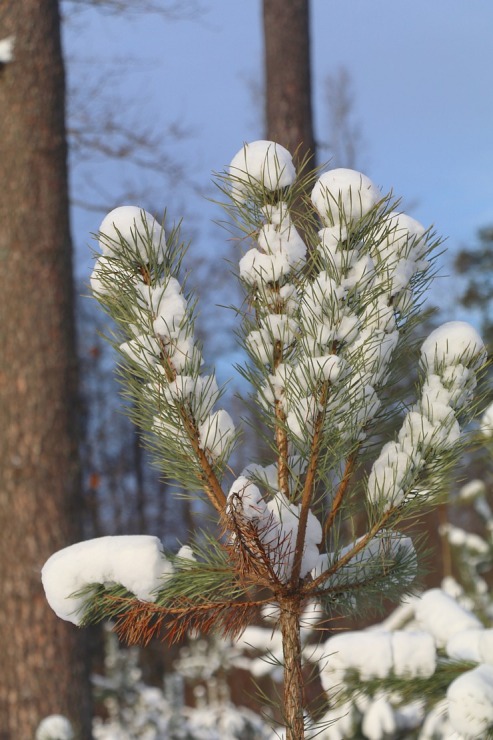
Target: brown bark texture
{"points": [[294, 700], [43, 659], [288, 98]]}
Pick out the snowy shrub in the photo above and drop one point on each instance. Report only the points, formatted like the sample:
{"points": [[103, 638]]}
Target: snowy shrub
{"points": [[135, 711], [334, 282]]}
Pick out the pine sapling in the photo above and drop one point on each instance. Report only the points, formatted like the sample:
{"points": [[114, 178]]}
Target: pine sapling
{"points": [[333, 275]]}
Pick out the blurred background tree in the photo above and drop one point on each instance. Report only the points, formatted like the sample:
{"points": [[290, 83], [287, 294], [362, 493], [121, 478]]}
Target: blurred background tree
{"points": [[45, 667]]}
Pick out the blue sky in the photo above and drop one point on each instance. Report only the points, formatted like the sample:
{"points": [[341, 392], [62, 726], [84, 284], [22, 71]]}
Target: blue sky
{"points": [[422, 75]]}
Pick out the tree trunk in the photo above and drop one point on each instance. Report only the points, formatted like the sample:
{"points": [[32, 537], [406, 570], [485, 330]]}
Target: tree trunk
{"points": [[288, 98], [293, 677], [43, 659]]}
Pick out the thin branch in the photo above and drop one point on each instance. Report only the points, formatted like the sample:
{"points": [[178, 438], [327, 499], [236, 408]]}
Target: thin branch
{"points": [[137, 622], [341, 491], [360, 545], [282, 449], [212, 487], [280, 433], [309, 486]]}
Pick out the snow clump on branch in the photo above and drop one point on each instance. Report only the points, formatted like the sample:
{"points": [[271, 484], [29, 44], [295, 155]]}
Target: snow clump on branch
{"points": [[276, 523], [137, 562], [343, 195], [261, 164]]}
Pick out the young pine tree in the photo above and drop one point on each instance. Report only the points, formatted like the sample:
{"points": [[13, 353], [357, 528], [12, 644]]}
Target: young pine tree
{"points": [[324, 321]]}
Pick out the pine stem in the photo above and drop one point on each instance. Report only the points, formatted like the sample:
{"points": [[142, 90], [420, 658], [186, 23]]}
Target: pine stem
{"points": [[282, 448], [293, 678], [212, 487], [308, 489], [280, 434], [339, 497]]}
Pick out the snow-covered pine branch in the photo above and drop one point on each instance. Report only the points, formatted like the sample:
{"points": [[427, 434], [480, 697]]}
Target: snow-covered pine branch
{"points": [[334, 276]]}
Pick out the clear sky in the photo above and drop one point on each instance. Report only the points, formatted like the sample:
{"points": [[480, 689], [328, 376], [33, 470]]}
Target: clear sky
{"points": [[422, 73]]}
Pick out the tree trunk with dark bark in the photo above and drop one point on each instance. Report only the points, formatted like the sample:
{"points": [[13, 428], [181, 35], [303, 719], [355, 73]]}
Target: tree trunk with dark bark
{"points": [[288, 96], [43, 659]]}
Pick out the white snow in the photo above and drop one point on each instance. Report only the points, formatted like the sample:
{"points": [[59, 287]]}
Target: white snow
{"points": [[458, 537], [379, 720], [487, 422], [419, 433], [7, 49], [402, 237], [376, 653], [137, 228], [182, 354], [186, 553], [441, 616], [274, 328], [413, 653], [277, 521], [472, 489], [470, 702], [200, 392], [261, 163], [169, 308], [337, 723], [144, 350], [453, 343], [246, 495], [137, 562], [109, 276], [280, 328], [216, 433], [344, 195], [368, 652], [282, 249], [279, 235], [54, 727], [389, 474], [257, 267], [315, 369], [474, 645]]}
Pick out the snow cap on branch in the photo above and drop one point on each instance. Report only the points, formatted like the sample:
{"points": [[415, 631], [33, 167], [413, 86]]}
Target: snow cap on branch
{"points": [[137, 562], [217, 433], [346, 193], [282, 249], [453, 343], [261, 163], [470, 702], [134, 227], [441, 616]]}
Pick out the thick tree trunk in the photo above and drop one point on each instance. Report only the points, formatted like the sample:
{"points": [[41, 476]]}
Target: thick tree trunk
{"points": [[293, 677], [288, 98], [43, 659]]}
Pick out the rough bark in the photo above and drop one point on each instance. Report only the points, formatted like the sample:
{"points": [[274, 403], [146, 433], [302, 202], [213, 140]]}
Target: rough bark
{"points": [[288, 98], [43, 659], [294, 702]]}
